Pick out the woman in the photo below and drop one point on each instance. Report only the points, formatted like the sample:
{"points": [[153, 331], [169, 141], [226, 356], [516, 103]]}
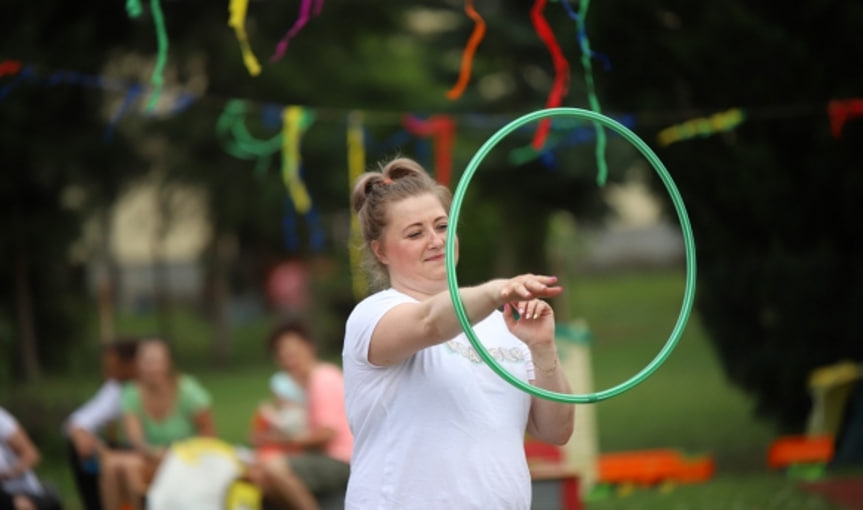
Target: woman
{"points": [[160, 408], [316, 463], [19, 487], [433, 426]]}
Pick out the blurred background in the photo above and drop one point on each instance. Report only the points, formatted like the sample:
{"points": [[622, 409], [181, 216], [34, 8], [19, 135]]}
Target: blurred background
{"points": [[204, 209]]}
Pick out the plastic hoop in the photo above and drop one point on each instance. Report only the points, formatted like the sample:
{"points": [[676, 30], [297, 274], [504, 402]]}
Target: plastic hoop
{"points": [[689, 244]]}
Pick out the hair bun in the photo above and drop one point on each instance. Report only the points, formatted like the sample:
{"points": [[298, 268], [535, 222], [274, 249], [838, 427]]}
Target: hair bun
{"points": [[363, 187]]}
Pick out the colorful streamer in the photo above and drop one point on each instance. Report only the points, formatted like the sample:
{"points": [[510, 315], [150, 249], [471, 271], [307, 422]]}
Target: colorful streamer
{"points": [[134, 9], [469, 50], [567, 136], [10, 67], [296, 120], [701, 127], [441, 128], [131, 95], [593, 100], [356, 166], [841, 111], [237, 20], [302, 19], [561, 69]]}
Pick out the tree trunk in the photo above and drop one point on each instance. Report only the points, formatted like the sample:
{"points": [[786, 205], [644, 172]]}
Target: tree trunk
{"points": [[26, 323]]}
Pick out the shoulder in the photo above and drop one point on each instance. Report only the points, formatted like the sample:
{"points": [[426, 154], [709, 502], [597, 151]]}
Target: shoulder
{"points": [[327, 372], [190, 384], [129, 392], [374, 306]]}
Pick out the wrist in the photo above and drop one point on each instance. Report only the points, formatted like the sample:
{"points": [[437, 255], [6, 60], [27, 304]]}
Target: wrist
{"points": [[545, 360]]}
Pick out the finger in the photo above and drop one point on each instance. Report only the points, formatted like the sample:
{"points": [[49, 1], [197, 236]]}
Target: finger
{"points": [[509, 315], [530, 309]]}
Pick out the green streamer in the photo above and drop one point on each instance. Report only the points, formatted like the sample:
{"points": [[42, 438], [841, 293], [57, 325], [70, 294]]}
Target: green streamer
{"points": [[593, 100], [689, 244], [161, 57]]}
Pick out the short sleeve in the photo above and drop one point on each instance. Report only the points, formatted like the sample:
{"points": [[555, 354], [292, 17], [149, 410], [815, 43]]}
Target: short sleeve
{"points": [[363, 320], [130, 399], [326, 397], [8, 425], [193, 396]]}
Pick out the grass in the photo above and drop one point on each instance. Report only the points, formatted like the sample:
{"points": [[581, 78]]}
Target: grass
{"points": [[687, 404]]}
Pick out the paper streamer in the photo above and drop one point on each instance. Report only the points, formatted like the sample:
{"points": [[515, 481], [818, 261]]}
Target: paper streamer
{"points": [[237, 20], [441, 128], [469, 50], [356, 167], [132, 94], [566, 136], [296, 121], [701, 127], [561, 70], [841, 111], [593, 100], [134, 9], [25, 73], [304, 15], [10, 67]]}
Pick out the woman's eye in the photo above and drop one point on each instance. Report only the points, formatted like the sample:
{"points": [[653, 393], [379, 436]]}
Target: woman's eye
{"points": [[414, 235], [442, 226]]}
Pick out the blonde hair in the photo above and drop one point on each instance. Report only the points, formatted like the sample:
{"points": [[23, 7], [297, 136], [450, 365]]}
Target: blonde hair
{"points": [[375, 192]]}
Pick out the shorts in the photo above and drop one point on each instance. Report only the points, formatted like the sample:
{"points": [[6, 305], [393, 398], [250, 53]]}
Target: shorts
{"points": [[320, 473]]}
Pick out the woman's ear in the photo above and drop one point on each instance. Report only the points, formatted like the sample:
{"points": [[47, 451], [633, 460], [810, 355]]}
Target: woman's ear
{"points": [[378, 250]]}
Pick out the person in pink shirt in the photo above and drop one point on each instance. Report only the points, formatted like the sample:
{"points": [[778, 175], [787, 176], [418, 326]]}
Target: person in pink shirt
{"points": [[322, 465]]}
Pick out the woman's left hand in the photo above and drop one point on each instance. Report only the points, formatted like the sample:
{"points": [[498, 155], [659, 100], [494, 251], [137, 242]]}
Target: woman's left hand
{"points": [[535, 324]]}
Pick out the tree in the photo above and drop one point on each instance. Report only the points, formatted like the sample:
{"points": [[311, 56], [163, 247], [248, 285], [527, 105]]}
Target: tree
{"points": [[774, 205]]}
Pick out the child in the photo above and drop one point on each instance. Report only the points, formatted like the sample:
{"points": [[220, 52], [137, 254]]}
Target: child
{"points": [[281, 418]]}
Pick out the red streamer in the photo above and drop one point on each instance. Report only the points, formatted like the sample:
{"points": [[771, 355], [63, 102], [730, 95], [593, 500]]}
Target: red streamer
{"points": [[442, 130], [469, 50], [10, 67], [561, 70], [841, 111]]}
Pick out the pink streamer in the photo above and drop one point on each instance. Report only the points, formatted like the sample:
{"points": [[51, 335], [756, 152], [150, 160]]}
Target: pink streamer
{"points": [[302, 19]]}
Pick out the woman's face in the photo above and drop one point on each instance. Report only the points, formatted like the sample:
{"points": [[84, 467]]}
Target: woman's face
{"points": [[154, 362], [294, 355], [412, 244]]}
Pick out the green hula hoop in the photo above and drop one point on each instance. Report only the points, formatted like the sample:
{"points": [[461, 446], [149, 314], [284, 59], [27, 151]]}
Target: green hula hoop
{"points": [[689, 243]]}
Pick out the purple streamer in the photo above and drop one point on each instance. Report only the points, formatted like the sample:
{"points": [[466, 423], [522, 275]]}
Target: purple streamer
{"points": [[305, 9]]}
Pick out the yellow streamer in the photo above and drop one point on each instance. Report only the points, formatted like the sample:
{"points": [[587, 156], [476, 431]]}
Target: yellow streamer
{"points": [[701, 127], [292, 119], [356, 166], [237, 21]]}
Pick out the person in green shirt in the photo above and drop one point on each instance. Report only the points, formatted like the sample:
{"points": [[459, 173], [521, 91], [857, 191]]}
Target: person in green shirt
{"points": [[161, 407]]}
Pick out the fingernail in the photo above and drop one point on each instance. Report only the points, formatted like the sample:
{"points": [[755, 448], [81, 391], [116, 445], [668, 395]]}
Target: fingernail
{"points": [[536, 316]]}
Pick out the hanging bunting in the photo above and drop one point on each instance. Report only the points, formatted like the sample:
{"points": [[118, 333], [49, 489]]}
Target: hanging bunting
{"points": [[356, 167], [701, 127], [561, 70], [296, 120], [306, 12], [586, 56], [237, 20], [469, 50], [134, 9], [841, 111], [441, 128]]}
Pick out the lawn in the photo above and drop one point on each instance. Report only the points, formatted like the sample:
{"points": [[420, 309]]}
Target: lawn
{"points": [[687, 404]]}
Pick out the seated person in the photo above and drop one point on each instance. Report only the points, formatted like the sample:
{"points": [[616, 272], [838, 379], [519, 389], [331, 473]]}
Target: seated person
{"points": [[159, 408], [282, 416], [318, 463], [84, 427], [19, 487]]}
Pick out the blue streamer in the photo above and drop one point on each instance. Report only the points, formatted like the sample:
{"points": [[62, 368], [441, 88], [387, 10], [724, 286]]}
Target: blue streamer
{"points": [[26, 72], [132, 94], [581, 34]]}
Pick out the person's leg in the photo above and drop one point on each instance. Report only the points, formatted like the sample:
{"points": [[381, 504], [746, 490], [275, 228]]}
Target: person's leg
{"points": [[115, 478], [86, 481], [282, 486], [23, 502], [132, 474]]}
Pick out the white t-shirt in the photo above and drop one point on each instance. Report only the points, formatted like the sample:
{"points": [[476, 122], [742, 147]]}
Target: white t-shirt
{"points": [[25, 483], [100, 410], [439, 430]]}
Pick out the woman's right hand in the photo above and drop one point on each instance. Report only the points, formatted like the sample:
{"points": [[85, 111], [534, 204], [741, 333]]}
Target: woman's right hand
{"points": [[526, 287]]}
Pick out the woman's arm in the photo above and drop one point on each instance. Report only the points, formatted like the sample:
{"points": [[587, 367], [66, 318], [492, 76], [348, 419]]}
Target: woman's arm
{"points": [[551, 422], [27, 453], [411, 327]]}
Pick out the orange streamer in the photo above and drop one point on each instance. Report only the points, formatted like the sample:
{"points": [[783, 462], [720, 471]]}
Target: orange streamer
{"points": [[469, 50]]}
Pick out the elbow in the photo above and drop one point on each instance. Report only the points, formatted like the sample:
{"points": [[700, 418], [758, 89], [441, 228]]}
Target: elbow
{"points": [[564, 434]]}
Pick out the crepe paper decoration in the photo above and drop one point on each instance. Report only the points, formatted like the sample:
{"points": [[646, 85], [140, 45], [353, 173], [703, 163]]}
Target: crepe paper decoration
{"points": [[560, 138], [304, 15], [238, 141], [128, 101], [237, 20], [561, 69], [842, 110], [290, 230], [10, 67], [296, 120], [183, 102], [441, 128], [26, 72], [701, 127], [469, 50], [592, 99], [134, 8], [356, 166]]}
